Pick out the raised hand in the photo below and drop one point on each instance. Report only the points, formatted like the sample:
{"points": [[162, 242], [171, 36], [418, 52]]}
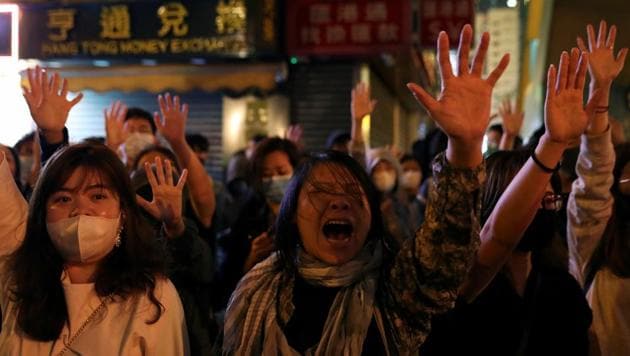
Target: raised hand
{"points": [[172, 124], [166, 205], [47, 101], [114, 124], [294, 134], [462, 109], [603, 65], [511, 120], [361, 103], [565, 116]]}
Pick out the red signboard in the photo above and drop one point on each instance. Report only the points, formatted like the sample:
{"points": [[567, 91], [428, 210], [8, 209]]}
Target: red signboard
{"points": [[444, 15], [351, 27]]}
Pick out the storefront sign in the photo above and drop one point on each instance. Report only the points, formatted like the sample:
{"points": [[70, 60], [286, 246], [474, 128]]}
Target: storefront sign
{"points": [[352, 27], [444, 15], [149, 29]]}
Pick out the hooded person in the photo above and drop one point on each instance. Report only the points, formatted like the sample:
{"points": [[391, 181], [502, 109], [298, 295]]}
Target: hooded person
{"points": [[386, 173]]}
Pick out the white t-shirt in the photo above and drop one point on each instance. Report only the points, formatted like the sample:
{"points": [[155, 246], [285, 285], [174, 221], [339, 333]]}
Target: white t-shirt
{"points": [[118, 329]]}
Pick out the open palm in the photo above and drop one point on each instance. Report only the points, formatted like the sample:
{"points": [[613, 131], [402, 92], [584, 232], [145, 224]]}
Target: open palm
{"points": [[462, 110], [46, 101], [603, 66], [565, 116]]}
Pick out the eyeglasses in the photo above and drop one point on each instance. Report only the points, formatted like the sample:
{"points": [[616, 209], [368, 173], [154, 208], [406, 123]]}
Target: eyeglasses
{"points": [[551, 201]]}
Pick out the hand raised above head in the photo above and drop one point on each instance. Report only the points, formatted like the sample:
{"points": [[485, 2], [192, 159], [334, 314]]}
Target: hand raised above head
{"points": [[114, 124], [361, 102], [462, 110], [603, 66], [172, 124], [511, 119], [565, 115], [47, 101]]}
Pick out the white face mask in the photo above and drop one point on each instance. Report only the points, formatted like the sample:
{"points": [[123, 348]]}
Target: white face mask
{"points": [[411, 179], [84, 238], [135, 143], [384, 181]]}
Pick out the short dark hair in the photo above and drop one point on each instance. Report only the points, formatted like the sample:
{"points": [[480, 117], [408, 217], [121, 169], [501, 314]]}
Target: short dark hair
{"points": [[496, 127], [346, 168], [265, 148], [26, 139], [337, 137], [159, 149], [129, 270], [407, 157], [198, 142], [137, 113]]}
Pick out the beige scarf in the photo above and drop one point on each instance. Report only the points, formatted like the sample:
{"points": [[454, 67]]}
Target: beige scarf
{"points": [[264, 296]]}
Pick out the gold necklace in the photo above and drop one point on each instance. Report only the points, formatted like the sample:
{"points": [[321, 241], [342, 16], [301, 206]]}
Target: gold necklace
{"points": [[84, 325]]}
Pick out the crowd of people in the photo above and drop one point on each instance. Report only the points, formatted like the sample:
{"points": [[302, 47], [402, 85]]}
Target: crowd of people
{"points": [[123, 245]]}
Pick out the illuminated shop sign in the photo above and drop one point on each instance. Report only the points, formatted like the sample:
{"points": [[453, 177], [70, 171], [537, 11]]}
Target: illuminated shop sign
{"points": [[231, 28]]}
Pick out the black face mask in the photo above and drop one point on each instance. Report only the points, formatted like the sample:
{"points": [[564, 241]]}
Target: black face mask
{"points": [[540, 232]]}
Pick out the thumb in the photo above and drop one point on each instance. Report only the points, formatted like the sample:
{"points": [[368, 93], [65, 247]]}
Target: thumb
{"points": [[144, 204], [423, 97]]}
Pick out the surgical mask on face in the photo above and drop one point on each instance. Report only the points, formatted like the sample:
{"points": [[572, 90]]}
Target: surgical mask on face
{"points": [[411, 179], [384, 181], [84, 238], [26, 165], [540, 232], [135, 143], [275, 187]]}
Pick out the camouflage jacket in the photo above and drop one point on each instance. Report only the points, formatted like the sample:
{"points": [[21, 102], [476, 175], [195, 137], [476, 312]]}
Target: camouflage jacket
{"points": [[423, 277]]}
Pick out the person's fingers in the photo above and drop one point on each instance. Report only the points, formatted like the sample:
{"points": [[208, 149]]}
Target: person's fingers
{"points": [[612, 35], [159, 170], [601, 36], [161, 103], [590, 33], [498, 71], [158, 121], [551, 83], [54, 84], [64, 88], [168, 172], [176, 105], [145, 205], [424, 98], [446, 71], [76, 100], [480, 56], [463, 51], [185, 111], [573, 66], [182, 179], [150, 176], [168, 101], [581, 45], [581, 72], [122, 113], [621, 58], [563, 69]]}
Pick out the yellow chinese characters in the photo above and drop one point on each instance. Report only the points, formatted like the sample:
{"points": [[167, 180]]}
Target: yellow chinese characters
{"points": [[61, 20], [173, 16], [115, 22], [231, 17]]}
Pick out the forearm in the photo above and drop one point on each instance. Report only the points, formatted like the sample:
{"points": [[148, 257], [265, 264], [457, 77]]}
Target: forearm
{"points": [[429, 269], [507, 142], [590, 203], [51, 144], [511, 216], [200, 183]]}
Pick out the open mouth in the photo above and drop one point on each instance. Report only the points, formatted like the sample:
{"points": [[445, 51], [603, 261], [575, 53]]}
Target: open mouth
{"points": [[339, 230]]}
